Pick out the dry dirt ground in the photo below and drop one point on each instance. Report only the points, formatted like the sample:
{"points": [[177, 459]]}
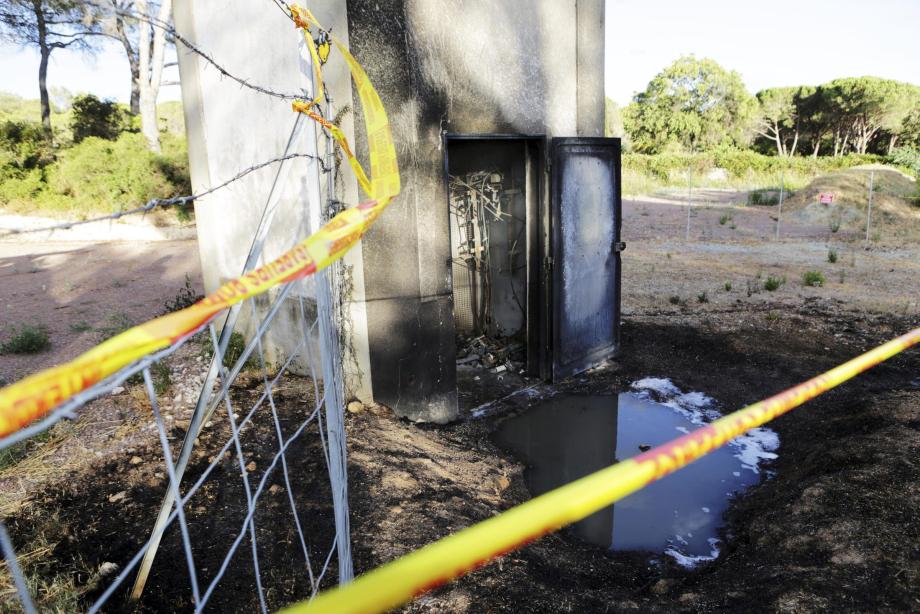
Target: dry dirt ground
{"points": [[82, 291], [836, 528]]}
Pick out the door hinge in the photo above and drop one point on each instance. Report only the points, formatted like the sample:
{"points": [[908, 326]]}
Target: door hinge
{"points": [[619, 246]]}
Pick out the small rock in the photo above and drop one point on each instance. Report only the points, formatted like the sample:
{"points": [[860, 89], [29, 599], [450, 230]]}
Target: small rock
{"points": [[208, 424], [355, 407], [107, 569], [274, 489], [118, 390], [118, 496], [251, 466], [159, 475], [662, 586], [136, 460], [503, 483]]}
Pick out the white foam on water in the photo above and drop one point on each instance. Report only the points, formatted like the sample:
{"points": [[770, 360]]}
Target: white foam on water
{"points": [[751, 448], [688, 561], [758, 444]]}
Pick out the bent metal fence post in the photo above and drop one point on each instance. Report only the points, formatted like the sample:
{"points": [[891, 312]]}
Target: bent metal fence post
{"points": [[250, 413]]}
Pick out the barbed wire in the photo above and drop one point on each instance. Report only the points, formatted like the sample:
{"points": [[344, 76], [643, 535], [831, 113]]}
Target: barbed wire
{"points": [[157, 203], [171, 31]]}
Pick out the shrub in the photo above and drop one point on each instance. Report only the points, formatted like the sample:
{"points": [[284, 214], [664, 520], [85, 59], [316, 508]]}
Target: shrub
{"points": [[235, 349], [728, 286], [773, 283], [725, 218], [24, 146], [186, 297], [813, 278], [908, 157], [113, 175], [831, 256], [29, 340], [94, 117], [702, 297], [674, 300], [763, 197]]}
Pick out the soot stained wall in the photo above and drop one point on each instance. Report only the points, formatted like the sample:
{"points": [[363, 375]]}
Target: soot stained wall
{"points": [[474, 66]]}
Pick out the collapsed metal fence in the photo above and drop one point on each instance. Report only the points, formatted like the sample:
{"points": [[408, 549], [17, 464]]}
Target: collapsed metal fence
{"points": [[250, 412]]}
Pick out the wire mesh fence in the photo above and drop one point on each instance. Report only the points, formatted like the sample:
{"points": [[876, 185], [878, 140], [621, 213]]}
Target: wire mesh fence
{"points": [[223, 484], [263, 455], [708, 206]]}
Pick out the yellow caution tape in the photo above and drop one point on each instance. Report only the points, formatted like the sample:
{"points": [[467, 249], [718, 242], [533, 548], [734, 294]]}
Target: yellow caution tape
{"points": [[35, 396], [418, 572]]}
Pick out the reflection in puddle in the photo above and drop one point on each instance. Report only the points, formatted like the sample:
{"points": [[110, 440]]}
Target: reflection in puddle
{"points": [[567, 437]]}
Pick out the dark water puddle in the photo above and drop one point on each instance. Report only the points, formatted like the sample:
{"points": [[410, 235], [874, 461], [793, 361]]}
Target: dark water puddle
{"points": [[567, 437]]}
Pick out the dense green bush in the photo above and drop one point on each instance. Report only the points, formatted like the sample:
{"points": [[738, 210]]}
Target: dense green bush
{"points": [[907, 157], [101, 176], [24, 146], [93, 117], [738, 163]]}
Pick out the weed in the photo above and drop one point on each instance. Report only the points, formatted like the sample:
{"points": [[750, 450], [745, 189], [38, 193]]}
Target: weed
{"points": [[831, 256], [732, 225], [843, 276], [11, 455], [118, 323], [29, 340], [119, 283], [773, 283], [184, 213], [813, 278], [186, 297], [835, 225], [674, 300], [235, 349], [772, 316], [669, 255], [702, 297], [81, 327], [763, 197], [728, 286], [727, 217]]}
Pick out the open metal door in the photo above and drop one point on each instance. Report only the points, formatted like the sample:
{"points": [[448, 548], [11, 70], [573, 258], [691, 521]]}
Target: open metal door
{"points": [[585, 249]]}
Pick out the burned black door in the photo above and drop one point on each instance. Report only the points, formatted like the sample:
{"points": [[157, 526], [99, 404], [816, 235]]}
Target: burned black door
{"points": [[584, 246]]}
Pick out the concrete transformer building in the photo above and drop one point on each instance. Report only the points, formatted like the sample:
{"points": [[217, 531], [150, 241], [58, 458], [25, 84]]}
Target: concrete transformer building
{"points": [[479, 94]]}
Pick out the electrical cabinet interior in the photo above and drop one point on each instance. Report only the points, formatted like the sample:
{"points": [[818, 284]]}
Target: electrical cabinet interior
{"points": [[535, 241]]}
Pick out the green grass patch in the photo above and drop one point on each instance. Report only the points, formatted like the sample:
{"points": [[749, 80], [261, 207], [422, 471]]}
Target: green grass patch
{"points": [[235, 349], [771, 284], [813, 278], [763, 196], [27, 340]]}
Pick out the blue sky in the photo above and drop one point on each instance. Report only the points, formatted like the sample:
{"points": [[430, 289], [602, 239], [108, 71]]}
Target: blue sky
{"points": [[770, 42]]}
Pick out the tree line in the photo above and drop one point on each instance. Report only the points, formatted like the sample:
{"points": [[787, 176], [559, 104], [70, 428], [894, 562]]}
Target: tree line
{"points": [[48, 25], [697, 105]]}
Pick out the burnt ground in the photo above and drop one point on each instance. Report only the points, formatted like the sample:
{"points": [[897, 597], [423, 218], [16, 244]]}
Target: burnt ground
{"points": [[836, 527]]}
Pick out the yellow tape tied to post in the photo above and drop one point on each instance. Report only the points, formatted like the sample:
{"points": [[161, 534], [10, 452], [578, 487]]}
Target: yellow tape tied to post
{"points": [[37, 395]]}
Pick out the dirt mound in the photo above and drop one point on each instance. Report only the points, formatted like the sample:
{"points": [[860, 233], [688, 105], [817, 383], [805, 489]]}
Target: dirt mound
{"points": [[895, 207]]}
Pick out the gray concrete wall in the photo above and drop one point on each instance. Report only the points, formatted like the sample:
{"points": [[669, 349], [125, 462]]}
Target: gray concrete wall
{"points": [[230, 128], [473, 66]]}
